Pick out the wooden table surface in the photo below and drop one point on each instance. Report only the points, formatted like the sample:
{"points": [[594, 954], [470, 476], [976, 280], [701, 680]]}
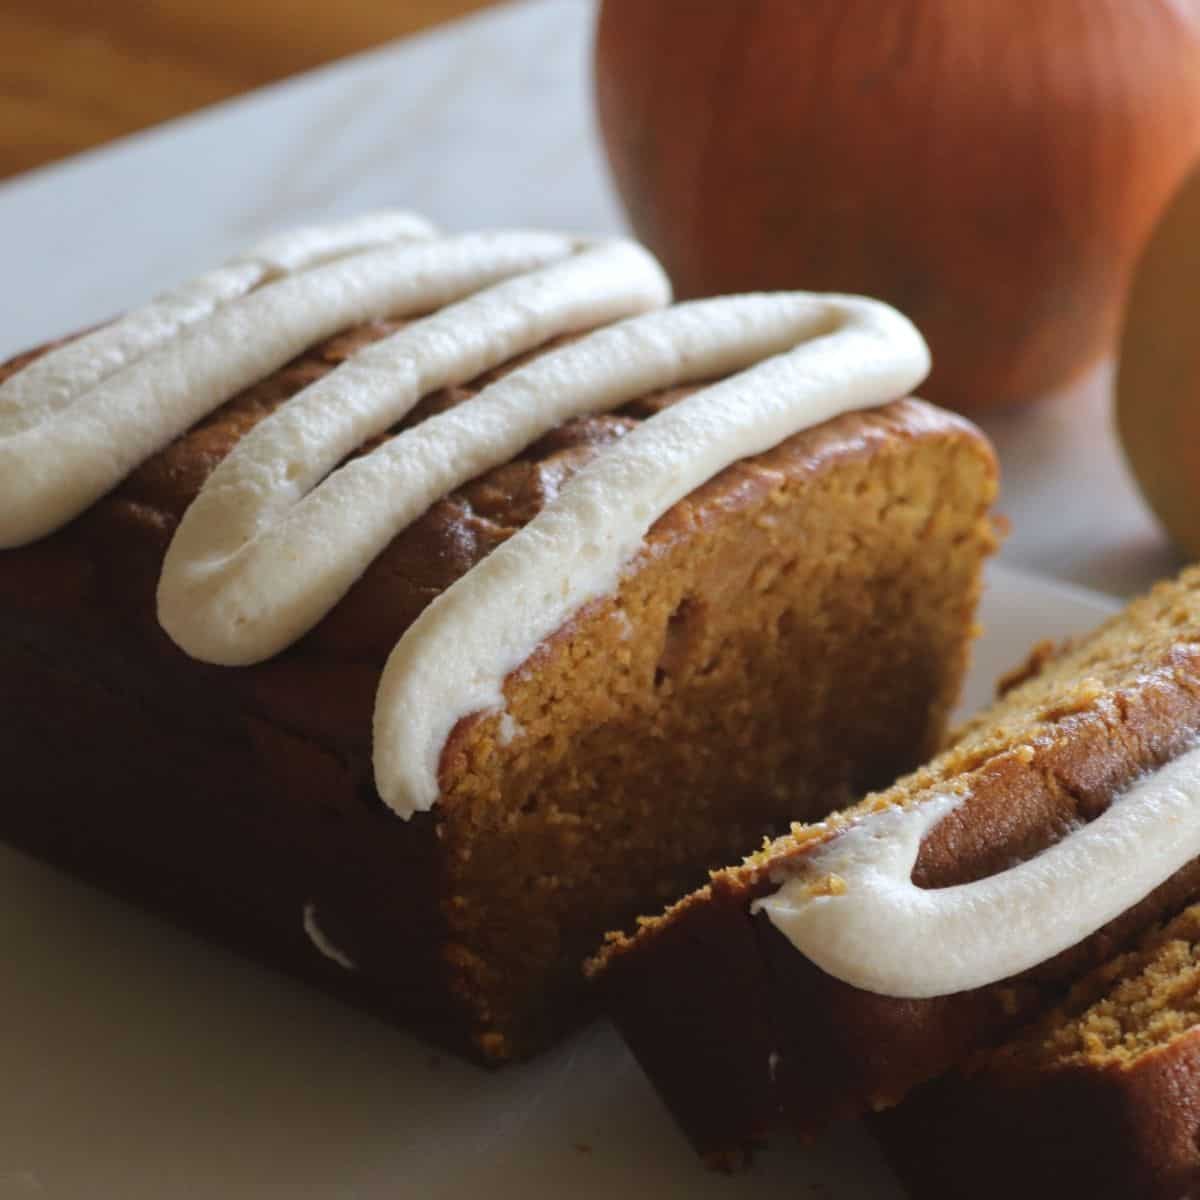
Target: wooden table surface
{"points": [[77, 73]]}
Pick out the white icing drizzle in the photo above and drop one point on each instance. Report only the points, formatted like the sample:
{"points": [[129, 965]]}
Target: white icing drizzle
{"points": [[824, 355], [261, 556], [280, 531], [320, 939], [878, 931], [56, 380], [55, 468]]}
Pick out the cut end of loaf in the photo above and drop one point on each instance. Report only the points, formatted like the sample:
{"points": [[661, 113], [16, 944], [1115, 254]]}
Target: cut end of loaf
{"points": [[1071, 730], [794, 633]]}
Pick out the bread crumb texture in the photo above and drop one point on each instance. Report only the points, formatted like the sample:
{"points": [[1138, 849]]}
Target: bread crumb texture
{"points": [[1141, 1000]]}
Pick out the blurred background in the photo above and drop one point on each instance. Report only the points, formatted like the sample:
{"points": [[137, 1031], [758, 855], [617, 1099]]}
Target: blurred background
{"points": [[75, 74], [1021, 179]]}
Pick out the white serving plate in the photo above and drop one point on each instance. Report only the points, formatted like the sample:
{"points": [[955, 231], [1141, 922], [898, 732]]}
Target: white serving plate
{"points": [[138, 1063]]}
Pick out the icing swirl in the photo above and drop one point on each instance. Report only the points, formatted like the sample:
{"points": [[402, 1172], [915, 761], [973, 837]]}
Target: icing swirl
{"points": [[273, 541], [876, 930], [76, 421], [280, 530]]}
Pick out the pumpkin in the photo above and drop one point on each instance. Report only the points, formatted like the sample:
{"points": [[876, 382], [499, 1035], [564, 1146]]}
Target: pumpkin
{"points": [[990, 167]]}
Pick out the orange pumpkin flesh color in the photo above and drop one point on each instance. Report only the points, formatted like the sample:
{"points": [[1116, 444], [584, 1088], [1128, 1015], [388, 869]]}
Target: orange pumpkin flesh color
{"points": [[991, 168], [1158, 376]]}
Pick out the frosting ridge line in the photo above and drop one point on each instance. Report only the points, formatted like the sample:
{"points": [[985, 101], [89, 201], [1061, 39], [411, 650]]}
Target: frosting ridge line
{"points": [[52, 471], [57, 378], [878, 931], [824, 355], [259, 558]]}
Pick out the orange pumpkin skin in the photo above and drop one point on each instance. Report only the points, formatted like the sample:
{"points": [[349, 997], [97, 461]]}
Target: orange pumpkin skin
{"points": [[989, 168]]}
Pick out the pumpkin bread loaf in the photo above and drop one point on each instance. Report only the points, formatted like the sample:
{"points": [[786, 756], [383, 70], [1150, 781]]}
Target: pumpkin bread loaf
{"points": [[791, 633], [1099, 1098], [777, 1041]]}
